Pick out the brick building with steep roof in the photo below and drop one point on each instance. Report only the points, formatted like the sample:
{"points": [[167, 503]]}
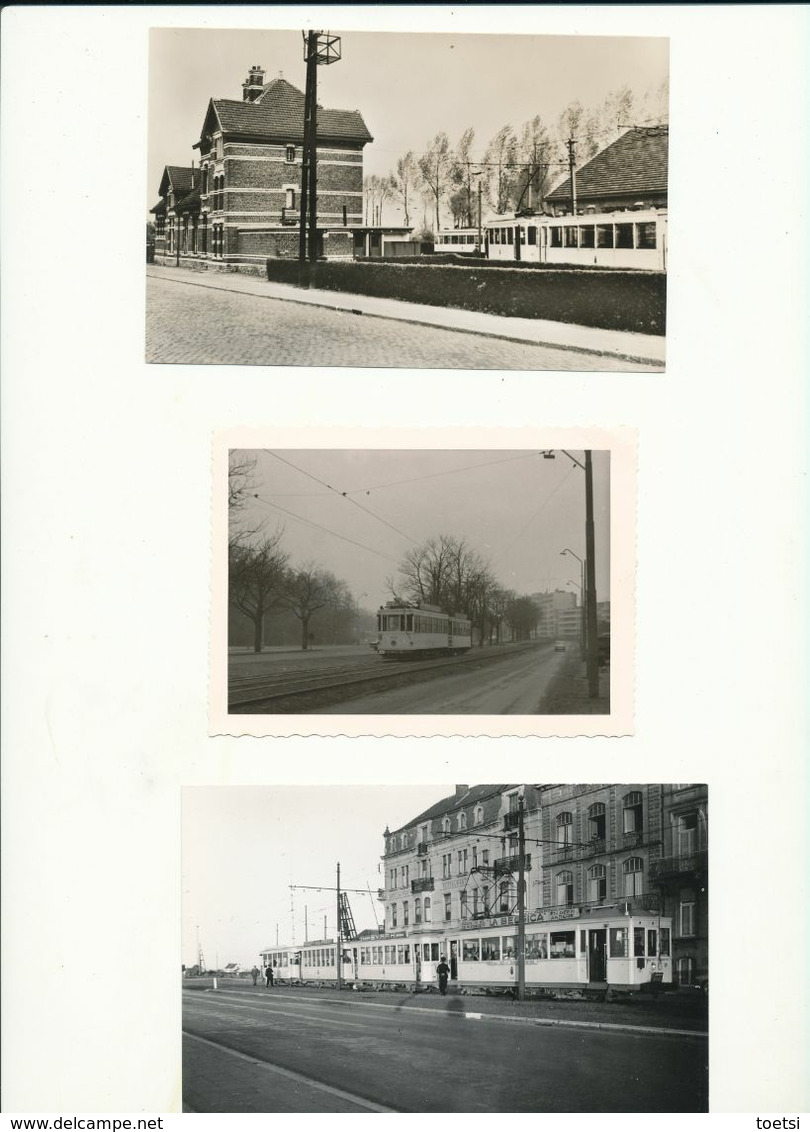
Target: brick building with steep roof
{"points": [[630, 173], [242, 203]]}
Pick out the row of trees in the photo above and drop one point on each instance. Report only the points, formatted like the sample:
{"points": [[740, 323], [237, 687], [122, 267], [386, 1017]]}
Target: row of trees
{"points": [[446, 571], [261, 580], [519, 167]]}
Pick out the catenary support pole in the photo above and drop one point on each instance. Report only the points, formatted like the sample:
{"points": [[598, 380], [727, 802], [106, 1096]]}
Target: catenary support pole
{"points": [[590, 589], [521, 939], [573, 173], [339, 954]]}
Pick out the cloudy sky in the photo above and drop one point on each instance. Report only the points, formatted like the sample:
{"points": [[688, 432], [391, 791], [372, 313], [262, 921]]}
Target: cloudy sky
{"points": [[357, 512], [407, 86], [243, 846]]}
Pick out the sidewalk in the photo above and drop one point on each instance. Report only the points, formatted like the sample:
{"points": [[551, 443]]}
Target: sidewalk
{"points": [[670, 1013], [644, 348]]}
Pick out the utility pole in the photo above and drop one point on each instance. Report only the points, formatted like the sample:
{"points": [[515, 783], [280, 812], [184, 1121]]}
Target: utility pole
{"points": [[339, 957], [320, 49], [480, 241], [590, 587], [573, 172], [521, 939]]}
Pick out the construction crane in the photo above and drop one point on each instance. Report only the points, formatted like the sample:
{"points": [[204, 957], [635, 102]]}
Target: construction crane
{"points": [[347, 928]]}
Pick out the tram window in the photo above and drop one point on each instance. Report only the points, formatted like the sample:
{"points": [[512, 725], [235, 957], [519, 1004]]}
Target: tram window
{"points": [[532, 234], [425, 952], [652, 941], [537, 946], [586, 236], [624, 235], [572, 237], [556, 237], [401, 953], [510, 235], [563, 945], [583, 942], [664, 948], [604, 235], [434, 952], [618, 943], [491, 948], [509, 946], [645, 235], [407, 953], [409, 623], [638, 941], [471, 950]]}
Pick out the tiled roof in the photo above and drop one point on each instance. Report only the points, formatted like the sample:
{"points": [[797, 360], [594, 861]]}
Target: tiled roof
{"points": [[279, 114], [178, 178], [454, 802], [189, 202], [635, 165]]}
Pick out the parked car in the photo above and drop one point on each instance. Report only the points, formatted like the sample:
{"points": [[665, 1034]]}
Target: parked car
{"points": [[560, 646]]}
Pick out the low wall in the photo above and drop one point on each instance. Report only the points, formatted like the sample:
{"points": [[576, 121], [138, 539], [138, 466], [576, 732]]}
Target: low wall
{"points": [[615, 300]]}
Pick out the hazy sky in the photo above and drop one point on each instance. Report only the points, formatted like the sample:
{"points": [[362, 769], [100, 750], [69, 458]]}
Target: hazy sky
{"points": [[517, 509], [243, 846], [407, 86]]}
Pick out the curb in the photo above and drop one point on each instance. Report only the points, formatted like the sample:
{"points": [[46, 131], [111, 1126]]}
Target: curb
{"points": [[345, 309]]}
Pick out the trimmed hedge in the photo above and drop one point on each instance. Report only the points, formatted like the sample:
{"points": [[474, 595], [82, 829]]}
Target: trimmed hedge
{"points": [[614, 300]]}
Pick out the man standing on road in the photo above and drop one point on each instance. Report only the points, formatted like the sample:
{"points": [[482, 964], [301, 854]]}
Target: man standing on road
{"points": [[269, 975], [443, 971], [255, 974]]}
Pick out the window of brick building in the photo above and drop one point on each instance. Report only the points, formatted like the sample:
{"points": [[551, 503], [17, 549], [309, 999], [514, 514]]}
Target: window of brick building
{"points": [[633, 869], [565, 889], [289, 154]]}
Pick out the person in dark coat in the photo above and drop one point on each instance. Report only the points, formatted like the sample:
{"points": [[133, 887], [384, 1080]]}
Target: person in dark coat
{"points": [[443, 972], [269, 975]]}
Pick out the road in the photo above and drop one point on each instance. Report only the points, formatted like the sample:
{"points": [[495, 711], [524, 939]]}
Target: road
{"points": [[484, 682], [514, 685], [294, 1050], [191, 324]]}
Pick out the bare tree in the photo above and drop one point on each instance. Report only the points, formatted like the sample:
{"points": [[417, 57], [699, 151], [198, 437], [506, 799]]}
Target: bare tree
{"points": [[534, 178], [241, 488], [501, 158], [434, 171], [462, 176], [256, 577], [404, 182], [308, 589]]}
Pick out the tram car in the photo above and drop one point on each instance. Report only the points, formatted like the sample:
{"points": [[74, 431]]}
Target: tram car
{"points": [[420, 631], [562, 950], [629, 239]]}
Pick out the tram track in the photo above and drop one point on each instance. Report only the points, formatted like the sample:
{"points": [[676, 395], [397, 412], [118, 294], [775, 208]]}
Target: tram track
{"points": [[251, 692]]}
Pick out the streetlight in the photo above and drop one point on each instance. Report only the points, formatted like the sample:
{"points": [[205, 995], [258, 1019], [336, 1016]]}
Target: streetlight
{"points": [[592, 660], [582, 633]]}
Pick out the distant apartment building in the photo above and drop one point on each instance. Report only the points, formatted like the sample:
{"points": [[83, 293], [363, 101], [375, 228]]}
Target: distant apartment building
{"points": [[560, 615]]}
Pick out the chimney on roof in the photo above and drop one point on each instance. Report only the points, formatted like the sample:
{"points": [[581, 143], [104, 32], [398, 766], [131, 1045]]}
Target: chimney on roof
{"points": [[461, 791], [253, 85]]}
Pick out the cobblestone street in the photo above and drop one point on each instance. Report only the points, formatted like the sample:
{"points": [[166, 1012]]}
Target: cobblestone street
{"points": [[188, 324]]}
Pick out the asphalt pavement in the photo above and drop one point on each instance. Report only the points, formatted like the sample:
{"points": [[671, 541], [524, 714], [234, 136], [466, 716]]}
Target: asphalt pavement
{"points": [[294, 1049]]}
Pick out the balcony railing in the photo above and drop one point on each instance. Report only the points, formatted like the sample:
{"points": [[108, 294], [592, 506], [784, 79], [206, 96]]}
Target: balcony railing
{"points": [[511, 820], [422, 884], [685, 864], [629, 840], [381, 894], [510, 865]]}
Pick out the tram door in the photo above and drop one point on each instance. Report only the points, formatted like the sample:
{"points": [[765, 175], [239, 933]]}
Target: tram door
{"points": [[356, 963], [597, 955], [453, 957]]}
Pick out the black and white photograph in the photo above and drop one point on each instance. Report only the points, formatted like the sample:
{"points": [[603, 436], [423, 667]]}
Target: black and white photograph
{"points": [[477, 948], [430, 582], [485, 201]]}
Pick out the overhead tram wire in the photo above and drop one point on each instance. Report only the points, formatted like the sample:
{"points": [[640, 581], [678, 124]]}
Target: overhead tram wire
{"points": [[529, 522], [343, 495], [317, 526], [449, 472]]}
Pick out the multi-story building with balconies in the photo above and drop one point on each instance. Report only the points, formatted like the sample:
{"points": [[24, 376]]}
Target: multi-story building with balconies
{"points": [[241, 205], [681, 875]]}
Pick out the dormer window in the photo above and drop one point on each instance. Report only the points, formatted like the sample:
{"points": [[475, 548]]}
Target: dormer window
{"points": [[289, 154]]}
